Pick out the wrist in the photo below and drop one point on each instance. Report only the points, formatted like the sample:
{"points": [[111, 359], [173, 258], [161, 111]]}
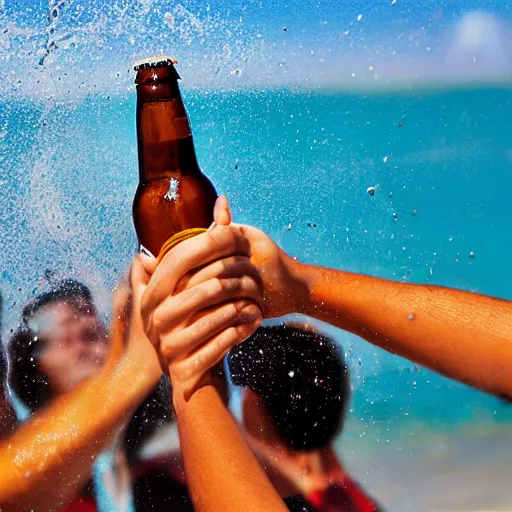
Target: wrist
{"points": [[182, 394], [141, 360], [301, 287]]}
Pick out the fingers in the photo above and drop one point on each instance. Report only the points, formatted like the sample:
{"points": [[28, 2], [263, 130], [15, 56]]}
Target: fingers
{"points": [[180, 308], [191, 371], [200, 250], [222, 212], [148, 263], [179, 345], [139, 277], [232, 267]]}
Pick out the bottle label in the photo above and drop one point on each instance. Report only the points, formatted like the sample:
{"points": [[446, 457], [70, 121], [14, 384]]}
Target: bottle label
{"points": [[145, 251]]}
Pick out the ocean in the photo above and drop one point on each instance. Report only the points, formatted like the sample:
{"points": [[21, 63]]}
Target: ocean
{"points": [[299, 165]]}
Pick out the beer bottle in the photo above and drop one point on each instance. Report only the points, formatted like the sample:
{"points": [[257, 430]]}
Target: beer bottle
{"points": [[174, 199]]}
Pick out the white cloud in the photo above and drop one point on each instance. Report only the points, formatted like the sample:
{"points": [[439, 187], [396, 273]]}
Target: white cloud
{"points": [[480, 43]]}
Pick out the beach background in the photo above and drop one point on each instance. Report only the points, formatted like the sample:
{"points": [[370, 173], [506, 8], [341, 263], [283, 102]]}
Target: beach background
{"points": [[297, 109]]}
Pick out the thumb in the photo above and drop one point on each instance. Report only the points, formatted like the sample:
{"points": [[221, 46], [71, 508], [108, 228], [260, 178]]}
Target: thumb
{"points": [[139, 277], [148, 263], [120, 313], [222, 212]]}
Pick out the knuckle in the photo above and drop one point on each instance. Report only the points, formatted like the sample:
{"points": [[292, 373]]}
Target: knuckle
{"points": [[232, 310], [167, 350], [233, 285], [158, 320], [217, 285], [189, 370], [242, 332]]}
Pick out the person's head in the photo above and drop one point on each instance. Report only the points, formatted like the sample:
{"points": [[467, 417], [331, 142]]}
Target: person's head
{"points": [[3, 356], [302, 379], [59, 343], [156, 412]]}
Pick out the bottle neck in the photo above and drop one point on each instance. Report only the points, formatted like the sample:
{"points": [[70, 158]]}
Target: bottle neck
{"points": [[163, 132]]}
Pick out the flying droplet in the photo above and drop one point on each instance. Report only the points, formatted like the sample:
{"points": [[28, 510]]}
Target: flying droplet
{"points": [[371, 190]]}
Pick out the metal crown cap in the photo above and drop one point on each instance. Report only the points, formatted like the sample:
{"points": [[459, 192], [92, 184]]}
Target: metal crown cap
{"points": [[159, 61]]}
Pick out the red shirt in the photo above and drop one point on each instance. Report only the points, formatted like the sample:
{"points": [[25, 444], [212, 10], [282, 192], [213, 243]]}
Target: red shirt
{"points": [[81, 505], [346, 497]]}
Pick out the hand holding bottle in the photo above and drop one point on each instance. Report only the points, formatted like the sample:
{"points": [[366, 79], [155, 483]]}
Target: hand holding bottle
{"points": [[194, 329], [282, 289]]}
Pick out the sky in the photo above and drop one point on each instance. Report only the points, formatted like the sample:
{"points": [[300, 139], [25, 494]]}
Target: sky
{"points": [[50, 47]]}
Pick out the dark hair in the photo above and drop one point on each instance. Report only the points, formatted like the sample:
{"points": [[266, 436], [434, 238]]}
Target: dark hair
{"points": [[149, 416], [3, 356], [301, 377], [156, 411], [27, 380]]}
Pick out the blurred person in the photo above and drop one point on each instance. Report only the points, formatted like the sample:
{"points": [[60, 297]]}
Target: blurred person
{"points": [[48, 460], [7, 414], [60, 343], [295, 393]]}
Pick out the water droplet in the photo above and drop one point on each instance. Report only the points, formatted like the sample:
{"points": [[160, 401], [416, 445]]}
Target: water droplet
{"points": [[385, 159], [471, 254], [359, 17], [291, 374], [371, 190], [411, 316]]}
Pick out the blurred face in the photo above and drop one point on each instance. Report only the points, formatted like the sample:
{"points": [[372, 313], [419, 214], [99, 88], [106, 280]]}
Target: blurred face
{"points": [[74, 345]]}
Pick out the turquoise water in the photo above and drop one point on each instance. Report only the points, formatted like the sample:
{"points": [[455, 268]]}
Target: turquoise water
{"points": [[287, 161]]}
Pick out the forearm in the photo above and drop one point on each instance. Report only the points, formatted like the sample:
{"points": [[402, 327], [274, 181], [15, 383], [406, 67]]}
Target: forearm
{"points": [[50, 457], [463, 335], [222, 472]]}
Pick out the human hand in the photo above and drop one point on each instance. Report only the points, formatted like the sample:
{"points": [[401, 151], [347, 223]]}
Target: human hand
{"points": [[282, 291], [127, 336], [193, 329]]}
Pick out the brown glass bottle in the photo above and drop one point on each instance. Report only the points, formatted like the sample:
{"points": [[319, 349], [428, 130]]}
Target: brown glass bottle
{"points": [[173, 194]]}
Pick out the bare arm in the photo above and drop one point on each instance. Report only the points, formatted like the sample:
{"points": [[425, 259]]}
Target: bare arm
{"points": [[222, 471], [462, 335], [46, 462]]}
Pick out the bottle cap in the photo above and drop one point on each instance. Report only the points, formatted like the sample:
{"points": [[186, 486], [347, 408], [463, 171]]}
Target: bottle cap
{"points": [[159, 61]]}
